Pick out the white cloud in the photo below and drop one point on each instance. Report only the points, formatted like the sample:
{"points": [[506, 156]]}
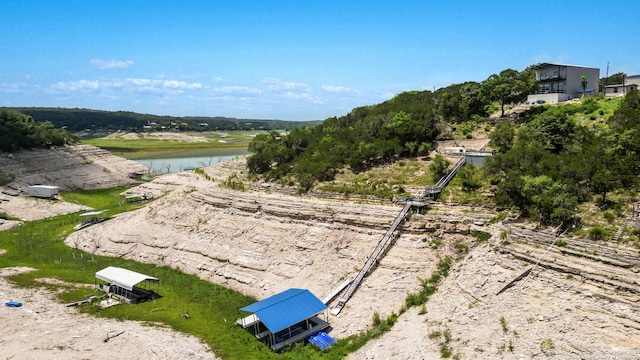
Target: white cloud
{"points": [[131, 84], [238, 90], [296, 96], [339, 89], [76, 85], [174, 84], [111, 64], [278, 85], [140, 82], [158, 84], [16, 87]]}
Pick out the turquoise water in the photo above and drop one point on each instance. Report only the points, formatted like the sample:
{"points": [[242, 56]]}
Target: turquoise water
{"points": [[174, 165]]}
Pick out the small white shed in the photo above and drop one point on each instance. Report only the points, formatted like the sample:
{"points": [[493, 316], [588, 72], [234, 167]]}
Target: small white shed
{"points": [[43, 191]]}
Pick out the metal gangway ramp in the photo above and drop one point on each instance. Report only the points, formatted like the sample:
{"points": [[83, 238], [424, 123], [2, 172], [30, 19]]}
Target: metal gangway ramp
{"points": [[431, 192], [373, 257]]}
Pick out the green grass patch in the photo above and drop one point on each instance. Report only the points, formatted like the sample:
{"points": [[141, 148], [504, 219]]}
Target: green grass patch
{"points": [[481, 236], [386, 181], [145, 145], [429, 285], [213, 309]]}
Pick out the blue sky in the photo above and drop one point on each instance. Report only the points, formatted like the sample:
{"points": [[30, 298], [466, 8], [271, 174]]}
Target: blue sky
{"points": [[290, 60]]}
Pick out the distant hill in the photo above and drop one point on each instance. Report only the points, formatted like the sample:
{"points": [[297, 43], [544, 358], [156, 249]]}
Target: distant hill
{"points": [[81, 119]]}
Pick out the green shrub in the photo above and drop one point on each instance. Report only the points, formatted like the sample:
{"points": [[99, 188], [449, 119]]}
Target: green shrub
{"points": [[546, 344], [500, 217], [609, 217], [233, 182], [201, 171], [438, 167], [423, 310], [376, 319], [597, 233], [503, 323], [429, 285], [481, 236], [462, 248]]}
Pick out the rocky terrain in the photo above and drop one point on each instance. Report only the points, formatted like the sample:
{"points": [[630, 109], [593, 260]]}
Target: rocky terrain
{"points": [[576, 300], [572, 305], [69, 167]]}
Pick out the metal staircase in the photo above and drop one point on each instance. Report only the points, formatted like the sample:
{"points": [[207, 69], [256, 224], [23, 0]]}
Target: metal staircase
{"points": [[431, 192], [372, 258]]}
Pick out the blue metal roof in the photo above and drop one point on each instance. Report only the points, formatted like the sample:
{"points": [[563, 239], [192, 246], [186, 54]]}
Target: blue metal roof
{"points": [[286, 308]]}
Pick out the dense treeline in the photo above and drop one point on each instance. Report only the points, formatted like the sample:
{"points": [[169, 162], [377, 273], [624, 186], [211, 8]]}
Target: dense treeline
{"points": [[75, 120], [20, 131], [366, 136], [404, 126], [549, 164]]}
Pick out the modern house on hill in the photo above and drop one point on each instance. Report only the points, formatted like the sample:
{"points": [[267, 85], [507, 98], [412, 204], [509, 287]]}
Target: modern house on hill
{"points": [[633, 79], [561, 82], [630, 83]]}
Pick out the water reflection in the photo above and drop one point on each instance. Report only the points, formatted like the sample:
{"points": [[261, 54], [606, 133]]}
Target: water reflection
{"points": [[174, 165]]}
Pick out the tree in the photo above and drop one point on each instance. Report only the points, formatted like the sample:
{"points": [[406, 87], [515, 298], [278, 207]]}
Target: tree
{"points": [[439, 167], [509, 85], [583, 84], [469, 178], [549, 199], [554, 129], [19, 131], [502, 136]]}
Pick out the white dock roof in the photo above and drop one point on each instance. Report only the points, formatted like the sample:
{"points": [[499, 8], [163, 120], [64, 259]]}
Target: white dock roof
{"points": [[122, 277]]}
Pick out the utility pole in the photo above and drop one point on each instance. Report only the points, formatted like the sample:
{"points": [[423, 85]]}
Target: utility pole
{"points": [[606, 78]]}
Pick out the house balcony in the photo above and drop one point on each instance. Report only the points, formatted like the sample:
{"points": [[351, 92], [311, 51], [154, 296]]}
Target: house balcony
{"points": [[547, 91], [551, 78]]}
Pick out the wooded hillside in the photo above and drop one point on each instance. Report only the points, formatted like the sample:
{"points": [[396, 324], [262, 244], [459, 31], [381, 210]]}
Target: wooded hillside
{"points": [[550, 158], [20, 131], [404, 126], [75, 120]]}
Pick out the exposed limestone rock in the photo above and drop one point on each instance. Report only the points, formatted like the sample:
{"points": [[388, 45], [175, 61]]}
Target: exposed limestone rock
{"points": [[263, 242], [584, 297], [69, 167]]}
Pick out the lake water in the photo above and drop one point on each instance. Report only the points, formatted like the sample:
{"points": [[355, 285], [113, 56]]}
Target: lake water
{"points": [[174, 165]]}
